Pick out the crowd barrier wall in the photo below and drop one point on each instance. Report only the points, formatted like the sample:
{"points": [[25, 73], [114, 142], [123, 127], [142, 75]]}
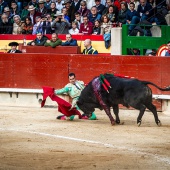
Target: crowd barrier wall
{"points": [[33, 71]]}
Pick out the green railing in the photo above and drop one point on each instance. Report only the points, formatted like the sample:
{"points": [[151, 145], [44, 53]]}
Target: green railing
{"points": [[143, 42]]}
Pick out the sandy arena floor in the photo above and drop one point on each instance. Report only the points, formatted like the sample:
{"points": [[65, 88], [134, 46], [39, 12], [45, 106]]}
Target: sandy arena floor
{"points": [[31, 138]]}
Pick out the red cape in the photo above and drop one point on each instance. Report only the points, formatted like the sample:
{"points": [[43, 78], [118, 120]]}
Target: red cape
{"points": [[63, 106]]}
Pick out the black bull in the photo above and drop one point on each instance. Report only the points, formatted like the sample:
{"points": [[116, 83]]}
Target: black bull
{"points": [[129, 92]]}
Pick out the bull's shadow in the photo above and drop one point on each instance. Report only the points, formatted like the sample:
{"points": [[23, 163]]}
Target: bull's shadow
{"points": [[106, 91]]}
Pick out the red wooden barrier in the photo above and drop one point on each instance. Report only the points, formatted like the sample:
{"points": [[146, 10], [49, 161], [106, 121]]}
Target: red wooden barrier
{"points": [[37, 70]]}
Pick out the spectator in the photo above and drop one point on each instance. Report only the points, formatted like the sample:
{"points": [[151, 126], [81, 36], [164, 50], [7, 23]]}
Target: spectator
{"points": [[38, 25], [88, 47], [8, 13], [96, 28], [55, 41], [27, 27], [74, 29], [83, 10], [112, 15], [70, 9], [13, 47], [59, 5], [76, 5], [25, 11], [46, 24], [78, 19], [108, 3], [69, 41], [136, 2], [117, 4], [94, 15], [73, 89], [5, 25], [47, 4], [65, 13], [132, 17], [17, 26], [100, 7], [33, 13], [134, 51], [3, 4], [86, 28], [33, 3], [122, 14], [39, 41], [52, 11], [60, 24], [41, 9], [168, 51], [14, 9], [106, 30]]}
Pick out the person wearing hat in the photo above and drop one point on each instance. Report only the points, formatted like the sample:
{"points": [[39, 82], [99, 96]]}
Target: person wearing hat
{"points": [[41, 9], [34, 3], [25, 11], [13, 46], [33, 13], [60, 25], [5, 25]]}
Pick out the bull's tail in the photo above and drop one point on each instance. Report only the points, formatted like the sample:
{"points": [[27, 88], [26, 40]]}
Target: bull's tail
{"points": [[162, 89]]}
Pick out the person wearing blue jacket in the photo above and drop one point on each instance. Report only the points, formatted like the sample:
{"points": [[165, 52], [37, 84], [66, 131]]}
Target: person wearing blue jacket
{"points": [[69, 41]]}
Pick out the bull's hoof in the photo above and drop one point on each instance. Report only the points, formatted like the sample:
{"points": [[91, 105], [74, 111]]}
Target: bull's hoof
{"points": [[139, 123], [118, 121], [159, 123]]}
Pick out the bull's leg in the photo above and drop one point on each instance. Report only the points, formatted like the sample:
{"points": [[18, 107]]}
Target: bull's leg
{"points": [[116, 112], [107, 110], [141, 109], [152, 108]]}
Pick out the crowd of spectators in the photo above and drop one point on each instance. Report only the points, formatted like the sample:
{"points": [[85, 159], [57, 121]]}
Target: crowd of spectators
{"points": [[83, 17]]}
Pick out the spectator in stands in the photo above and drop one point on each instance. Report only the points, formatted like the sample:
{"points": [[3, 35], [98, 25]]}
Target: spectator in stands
{"points": [[146, 12], [41, 9], [94, 15], [47, 4], [106, 27], [70, 9], [14, 9], [59, 5], [55, 41], [88, 47], [5, 25], [96, 28], [83, 10], [86, 28], [136, 2], [122, 14], [46, 24], [65, 13], [3, 4], [108, 3], [100, 7], [39, 41], [117, 4], [14, 48], [24, 12], [134, 51], [168, 51], [28, 26], [33, 13], [8, 13], [69, 41], [52, 11], [60, 24], [73, 89], [74, 29], [78, 19], [17, 26], [112, 15], [132, 17], [34, 3], [38, 25], [76, 5]]}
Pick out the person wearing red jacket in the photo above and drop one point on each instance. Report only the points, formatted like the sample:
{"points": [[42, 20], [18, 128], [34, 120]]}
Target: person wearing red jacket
{"points": [[86, 28]]}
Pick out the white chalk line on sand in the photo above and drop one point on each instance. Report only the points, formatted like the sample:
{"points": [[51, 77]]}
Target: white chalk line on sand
{"points": [[156, 156]]}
